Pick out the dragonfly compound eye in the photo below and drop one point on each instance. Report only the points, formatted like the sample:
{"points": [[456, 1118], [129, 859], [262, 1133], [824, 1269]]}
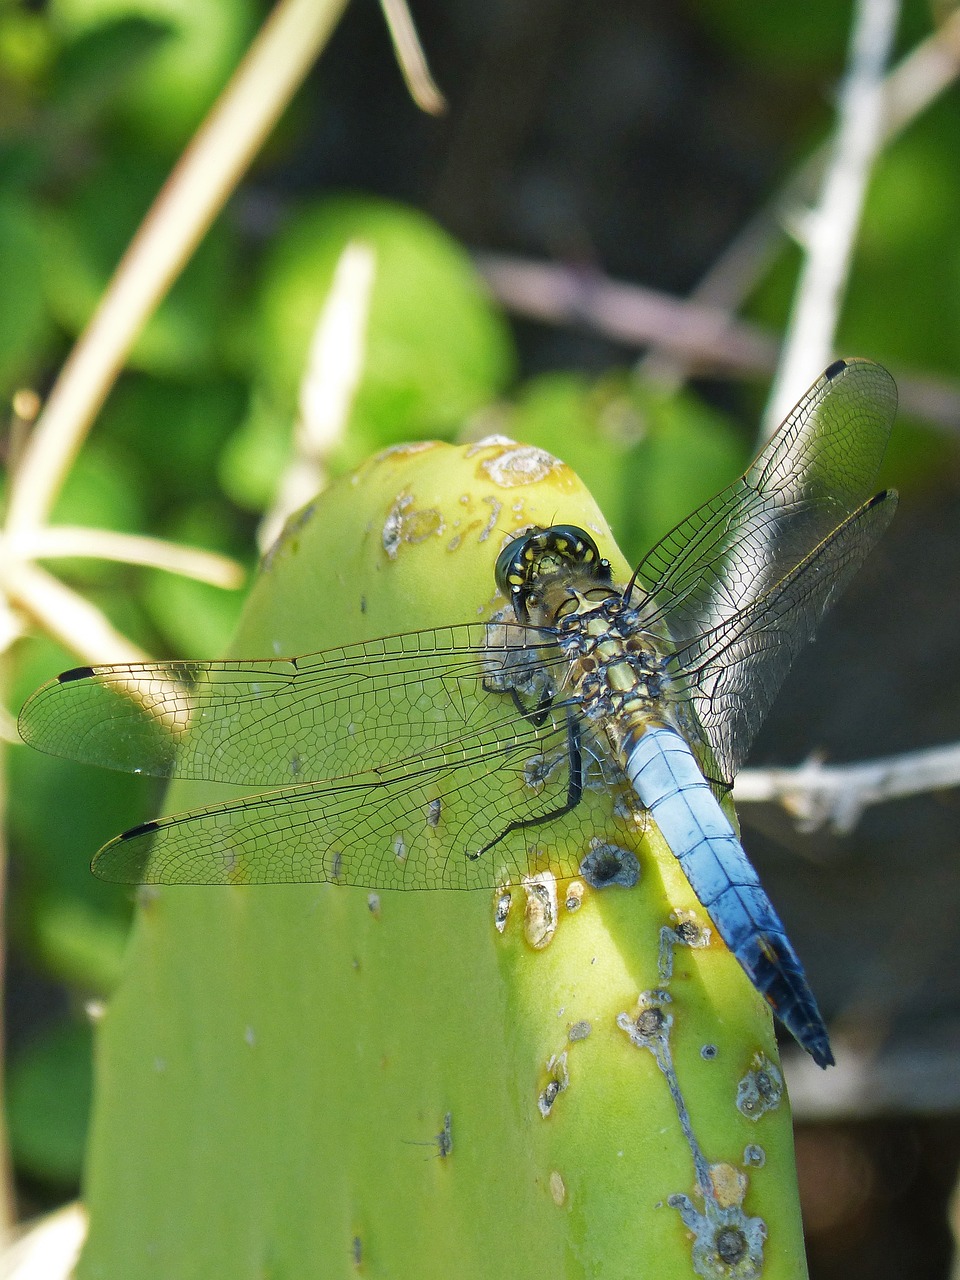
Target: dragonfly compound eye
{"points": [[542, 551]]}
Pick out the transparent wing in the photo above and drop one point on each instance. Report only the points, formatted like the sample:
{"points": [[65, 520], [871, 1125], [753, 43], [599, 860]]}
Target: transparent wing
{"points": [[396, 828], [818, 469], [731, 674], [279, 722]]}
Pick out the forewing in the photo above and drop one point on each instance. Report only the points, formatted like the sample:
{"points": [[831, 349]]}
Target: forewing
{"points": [[280, 722], [394, 829], [819, 468], [731, 674]]}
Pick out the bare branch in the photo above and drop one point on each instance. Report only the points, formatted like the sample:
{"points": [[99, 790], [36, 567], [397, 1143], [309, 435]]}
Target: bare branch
{"points": [[49, 1249], [411, 58], [922, 76], [628, 313], [828, 233], [67, 541], [817, 794], [708, 339], [76, 624]]}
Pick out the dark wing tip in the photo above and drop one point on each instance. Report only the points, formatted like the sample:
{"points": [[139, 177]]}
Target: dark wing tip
{"points": [[126, 858], [75, 673], [142, 830], [880, 383], [885, 498]]}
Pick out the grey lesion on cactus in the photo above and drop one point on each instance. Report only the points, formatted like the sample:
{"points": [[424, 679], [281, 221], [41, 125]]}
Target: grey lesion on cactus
{"points": [[558, 1080], [684, 931], [761, 1089], [502, 902], [607, 864], [727, 1242]]}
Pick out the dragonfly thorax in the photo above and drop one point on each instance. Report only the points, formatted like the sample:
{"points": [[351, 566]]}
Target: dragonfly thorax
{"points": [[558, 581], [615, 670]]}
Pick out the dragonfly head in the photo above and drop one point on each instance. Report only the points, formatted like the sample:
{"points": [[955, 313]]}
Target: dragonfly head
{"points": [[559, 555]]}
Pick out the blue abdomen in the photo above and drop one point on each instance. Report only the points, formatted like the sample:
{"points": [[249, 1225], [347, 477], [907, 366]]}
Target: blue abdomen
{"points": [[668, 781]]}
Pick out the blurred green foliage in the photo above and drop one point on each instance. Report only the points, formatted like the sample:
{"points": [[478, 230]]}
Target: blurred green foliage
{"points": [[435, 349], [97, 97], [49, 1089]]}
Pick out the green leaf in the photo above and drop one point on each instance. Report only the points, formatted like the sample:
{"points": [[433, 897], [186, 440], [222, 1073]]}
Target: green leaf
{"points": [[648, 457], [167, 100], [84, 239], [175, 430], [436, 349], [78, 941], [688, 452], [101, 63], [24, 320], [48, 1104], [254, 458], [197, 619], [789, 38], [103, 490], [26, 45]]}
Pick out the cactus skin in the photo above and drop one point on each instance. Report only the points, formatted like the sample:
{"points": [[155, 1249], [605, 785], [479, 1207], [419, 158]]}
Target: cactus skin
{"points": [[313, 1081]]}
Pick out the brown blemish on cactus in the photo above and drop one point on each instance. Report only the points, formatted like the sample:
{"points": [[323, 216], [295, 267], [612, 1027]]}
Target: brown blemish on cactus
{"points": [[685, 931], [404, 524], [540, 913]]}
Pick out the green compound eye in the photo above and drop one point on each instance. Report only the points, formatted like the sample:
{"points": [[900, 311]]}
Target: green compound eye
{"points": [[563, 544]]}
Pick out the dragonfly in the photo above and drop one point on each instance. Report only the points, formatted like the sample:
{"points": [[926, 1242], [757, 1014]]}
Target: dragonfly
{"points": [[547, 737]]}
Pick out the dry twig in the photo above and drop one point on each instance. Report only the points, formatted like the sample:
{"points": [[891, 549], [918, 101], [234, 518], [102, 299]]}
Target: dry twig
{"points": [[817, 794], [828, 233]]}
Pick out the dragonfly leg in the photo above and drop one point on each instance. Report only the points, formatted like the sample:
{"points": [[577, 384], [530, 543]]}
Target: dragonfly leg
{"points": [[536, 715], [574, 789]]}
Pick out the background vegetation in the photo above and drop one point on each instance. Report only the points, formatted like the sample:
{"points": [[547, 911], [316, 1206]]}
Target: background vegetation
{"points": [[628, 144]]}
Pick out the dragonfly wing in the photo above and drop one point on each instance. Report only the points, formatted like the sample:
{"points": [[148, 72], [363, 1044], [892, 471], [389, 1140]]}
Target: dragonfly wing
{"points": [[395, 828], [282, 722], [819, 467], [731, 675]]}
